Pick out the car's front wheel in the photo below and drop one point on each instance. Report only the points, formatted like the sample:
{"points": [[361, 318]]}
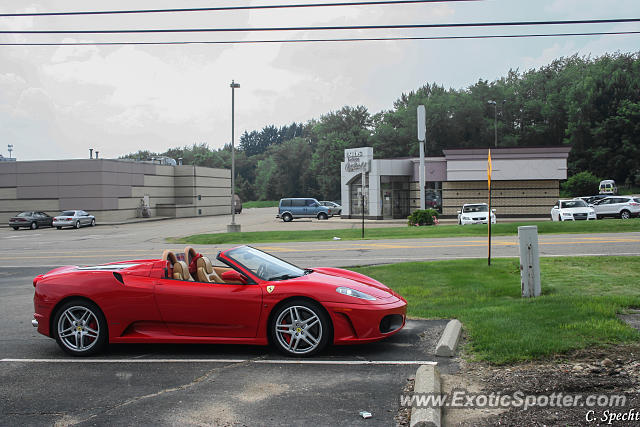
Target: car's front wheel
{"points": [[300, 328], [625, 214], [34, 225], [322, 216], [93, 222], [80, 328], [77, 224]]}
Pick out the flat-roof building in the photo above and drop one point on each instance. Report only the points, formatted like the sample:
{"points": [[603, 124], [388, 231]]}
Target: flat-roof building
{"points": [[114, 190], [525, 181]]}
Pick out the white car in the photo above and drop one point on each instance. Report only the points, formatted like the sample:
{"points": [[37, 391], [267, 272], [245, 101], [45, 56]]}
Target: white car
{"points": [[623, 207], [572, 210], [74, 219], [475, 213]]}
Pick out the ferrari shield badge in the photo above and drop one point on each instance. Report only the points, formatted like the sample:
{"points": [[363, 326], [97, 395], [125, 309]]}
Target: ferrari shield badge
{"points": [[270, 288]]}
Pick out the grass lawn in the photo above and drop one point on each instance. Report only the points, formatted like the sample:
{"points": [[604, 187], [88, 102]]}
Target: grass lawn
{"points": [[581, 296], [500, 229], [261, 204]]}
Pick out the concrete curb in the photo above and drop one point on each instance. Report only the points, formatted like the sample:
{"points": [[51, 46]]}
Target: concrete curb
{"points": [[449, 340], [428, 383]]}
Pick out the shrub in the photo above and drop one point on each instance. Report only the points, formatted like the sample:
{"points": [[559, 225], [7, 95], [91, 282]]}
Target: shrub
{"points": [[423, 217], [582, 184]]}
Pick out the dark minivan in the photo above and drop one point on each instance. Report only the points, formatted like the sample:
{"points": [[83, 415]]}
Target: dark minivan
{"points": [[302, 207]]}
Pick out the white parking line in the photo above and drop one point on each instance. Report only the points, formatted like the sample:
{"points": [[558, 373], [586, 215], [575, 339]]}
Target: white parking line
{"points": [[253, 361]]}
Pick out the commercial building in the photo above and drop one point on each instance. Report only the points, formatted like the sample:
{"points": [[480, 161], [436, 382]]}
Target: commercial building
{"points": [[113, 190], [525, 181]]}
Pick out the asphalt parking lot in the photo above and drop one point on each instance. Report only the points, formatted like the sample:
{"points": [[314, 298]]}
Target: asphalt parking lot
{"points": [[198, 384]]}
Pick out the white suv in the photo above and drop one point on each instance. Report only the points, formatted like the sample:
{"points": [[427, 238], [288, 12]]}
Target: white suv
{"points": [[623, 207]]}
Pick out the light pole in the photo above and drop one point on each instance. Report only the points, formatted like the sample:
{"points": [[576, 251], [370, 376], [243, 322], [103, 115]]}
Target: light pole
{"points": [[10, 148], [233, 227], [495, 121]]}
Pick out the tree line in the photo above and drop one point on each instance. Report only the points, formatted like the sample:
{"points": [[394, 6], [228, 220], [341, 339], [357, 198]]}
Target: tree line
{"points": [[590, 104]]}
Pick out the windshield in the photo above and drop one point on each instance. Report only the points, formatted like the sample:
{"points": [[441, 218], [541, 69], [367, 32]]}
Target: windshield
{"points": [[475, 208], [574, 204], [68, 213], [263, 265]]}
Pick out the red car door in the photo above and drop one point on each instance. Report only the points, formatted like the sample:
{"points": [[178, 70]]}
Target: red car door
{"points": [[209, 309]]}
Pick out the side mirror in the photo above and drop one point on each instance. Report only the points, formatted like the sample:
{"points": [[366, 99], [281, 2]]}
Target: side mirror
{"points": [[234, 276], [459, 212]]}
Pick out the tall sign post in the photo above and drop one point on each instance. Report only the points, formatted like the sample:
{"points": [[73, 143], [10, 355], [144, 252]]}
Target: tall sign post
{"points": [[233, 227], [489, 213], [422, 137]]}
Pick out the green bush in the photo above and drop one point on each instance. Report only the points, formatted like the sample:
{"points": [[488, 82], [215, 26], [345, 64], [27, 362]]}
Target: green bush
{"points": [[581, 184], [423, 217]]}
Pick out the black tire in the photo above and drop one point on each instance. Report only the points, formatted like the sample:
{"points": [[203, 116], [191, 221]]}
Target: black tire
{"points": [[323, 216], [625, 214], [81, 319], [59, 228], [598, 216], [16, 228], [287, 217], [77, 224], [34, 225], [93, 222], [297, 340]]}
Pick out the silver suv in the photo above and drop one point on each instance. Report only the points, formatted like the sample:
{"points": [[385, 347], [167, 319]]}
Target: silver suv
{"points": [[623, 207]]}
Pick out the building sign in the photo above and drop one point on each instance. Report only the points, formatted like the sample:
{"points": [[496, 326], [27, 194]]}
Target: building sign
{"points": [[357, 159]]}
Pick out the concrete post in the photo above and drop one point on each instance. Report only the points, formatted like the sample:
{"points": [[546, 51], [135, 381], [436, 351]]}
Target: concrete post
{"points": [[529, 261]]}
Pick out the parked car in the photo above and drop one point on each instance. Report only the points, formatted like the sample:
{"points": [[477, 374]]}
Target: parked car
{"points": [[251, 298], [475, 213], [31, 220], [289, 209], [572, 210], [74, 219], [623, 207], [608, 186], [592, 200], [334, 207]]}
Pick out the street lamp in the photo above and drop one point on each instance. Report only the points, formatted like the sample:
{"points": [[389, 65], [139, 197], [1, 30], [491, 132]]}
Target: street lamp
{"points": [[233, 227], [495, 121], [10, 148]]}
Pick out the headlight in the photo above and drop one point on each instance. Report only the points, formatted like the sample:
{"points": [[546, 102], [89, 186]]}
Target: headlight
{"points": [[353, 293], [466, 218], [566, 214]]}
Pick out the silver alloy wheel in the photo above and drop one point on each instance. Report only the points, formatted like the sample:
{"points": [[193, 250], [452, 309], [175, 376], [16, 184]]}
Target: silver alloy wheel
{"points": [[77, 224], [625, 215], [298, 329], [93, 222], [78, 328]]}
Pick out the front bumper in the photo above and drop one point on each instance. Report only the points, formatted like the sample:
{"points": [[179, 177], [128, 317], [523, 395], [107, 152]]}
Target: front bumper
{"points": [[362, 323]]}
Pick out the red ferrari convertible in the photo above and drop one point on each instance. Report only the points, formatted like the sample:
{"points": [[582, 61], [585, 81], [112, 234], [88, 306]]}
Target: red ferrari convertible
{"points": [[251, 298]]}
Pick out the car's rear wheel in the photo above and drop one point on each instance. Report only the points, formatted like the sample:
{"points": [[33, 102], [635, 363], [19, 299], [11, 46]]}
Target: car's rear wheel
{"points": [[59, 228], [287, 217], [77, 224], [34, 225], [625, 214], [15, 228], [80, 328], [322, 216], [300, 328]]}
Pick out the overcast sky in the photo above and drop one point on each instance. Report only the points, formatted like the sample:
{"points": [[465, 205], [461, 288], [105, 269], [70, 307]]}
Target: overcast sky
{"points": [[57, 102]]}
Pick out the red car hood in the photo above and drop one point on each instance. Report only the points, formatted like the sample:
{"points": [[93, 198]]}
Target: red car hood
{"points": [[338, 277]]}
